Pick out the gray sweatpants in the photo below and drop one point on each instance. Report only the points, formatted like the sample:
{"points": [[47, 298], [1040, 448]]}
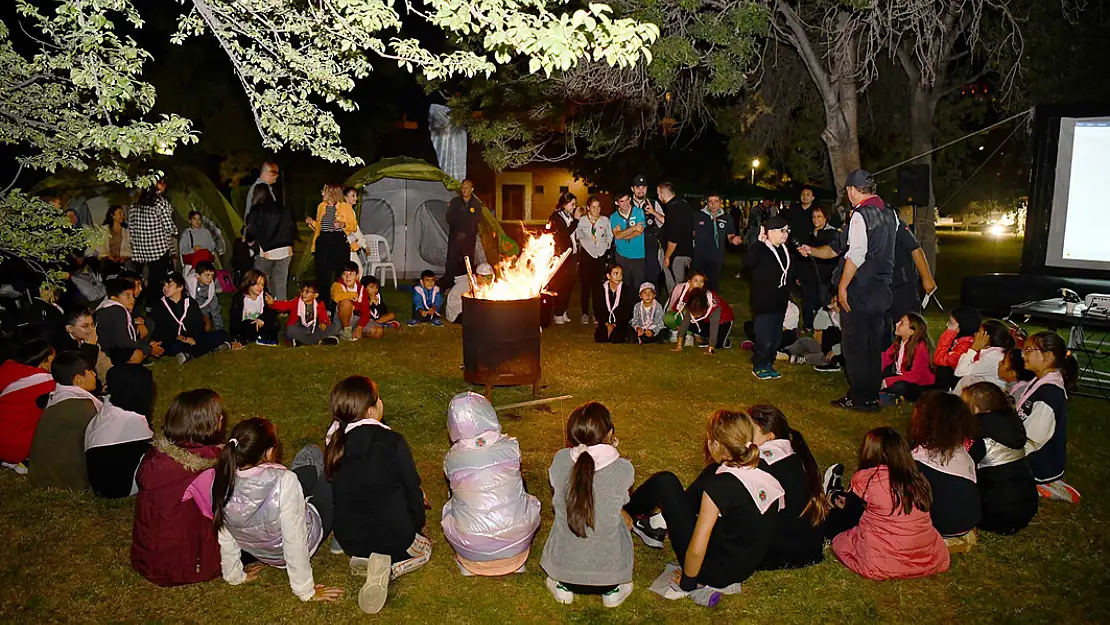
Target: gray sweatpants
{"points": [[297, 332], [809, 348], [677, 272], [277, 274]]}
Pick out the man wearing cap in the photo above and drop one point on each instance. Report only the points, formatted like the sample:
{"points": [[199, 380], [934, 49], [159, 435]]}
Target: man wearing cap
{"points": [[678, 232], [628, 224], [653, 226], [863, 281], [482, 275], [464, 213], [713, 231]]}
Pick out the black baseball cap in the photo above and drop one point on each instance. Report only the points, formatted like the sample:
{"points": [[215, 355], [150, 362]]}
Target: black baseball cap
{"points": [[777, 222], [859, 179], [639, 180]]}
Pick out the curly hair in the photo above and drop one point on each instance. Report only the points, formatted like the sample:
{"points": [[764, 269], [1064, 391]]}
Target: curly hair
{"points": [[942, 422]]}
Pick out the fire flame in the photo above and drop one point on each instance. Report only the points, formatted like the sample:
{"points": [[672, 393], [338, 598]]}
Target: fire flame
{"points": [[524, 276]]}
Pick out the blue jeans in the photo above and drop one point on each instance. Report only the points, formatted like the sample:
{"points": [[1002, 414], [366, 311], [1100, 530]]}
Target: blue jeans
{"points": [[768, 336]]}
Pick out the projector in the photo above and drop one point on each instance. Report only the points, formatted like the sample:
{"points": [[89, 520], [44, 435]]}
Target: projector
{"points": [[1098, 304]]}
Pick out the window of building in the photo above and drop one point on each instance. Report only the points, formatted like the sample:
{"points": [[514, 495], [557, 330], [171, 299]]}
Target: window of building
{"points": [[564, 189], [539, 189]]}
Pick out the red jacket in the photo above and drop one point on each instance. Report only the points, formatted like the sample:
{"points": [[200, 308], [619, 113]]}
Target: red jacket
{"points": [[172, 542], [915, 371], [290, 306], [950, 348], [19, 410]]}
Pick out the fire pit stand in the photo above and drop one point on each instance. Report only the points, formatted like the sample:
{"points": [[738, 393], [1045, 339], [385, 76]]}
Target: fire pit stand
{"points": [[501, 342]]}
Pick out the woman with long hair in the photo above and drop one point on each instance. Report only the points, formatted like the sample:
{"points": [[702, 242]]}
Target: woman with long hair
{"points": [[335, 219], [115, 251], [563, 224]]}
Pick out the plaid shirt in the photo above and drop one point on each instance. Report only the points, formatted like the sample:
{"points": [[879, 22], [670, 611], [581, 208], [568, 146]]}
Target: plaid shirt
{"points": [[151, 228]]}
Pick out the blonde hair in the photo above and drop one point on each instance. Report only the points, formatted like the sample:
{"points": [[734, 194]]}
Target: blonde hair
{"points": [[734, 432], [333, 194]]}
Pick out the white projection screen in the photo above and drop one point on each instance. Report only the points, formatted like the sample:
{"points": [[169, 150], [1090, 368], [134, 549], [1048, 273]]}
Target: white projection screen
{"points": [[1081, 201]]}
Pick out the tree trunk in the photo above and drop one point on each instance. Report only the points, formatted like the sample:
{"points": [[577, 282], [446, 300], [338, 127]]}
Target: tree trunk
{"points": [[923, 106]]}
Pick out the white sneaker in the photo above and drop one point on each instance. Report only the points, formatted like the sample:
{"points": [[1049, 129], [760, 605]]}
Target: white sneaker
{"points": [[585, 320], [561, 319], [335, 548], [562, 595], [182, 358], [689, 340], [673, 338], [19, 468], [371, 598], [613, 598]]}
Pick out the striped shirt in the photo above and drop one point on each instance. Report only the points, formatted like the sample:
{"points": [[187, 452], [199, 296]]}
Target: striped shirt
{"points": [[327, 222]]}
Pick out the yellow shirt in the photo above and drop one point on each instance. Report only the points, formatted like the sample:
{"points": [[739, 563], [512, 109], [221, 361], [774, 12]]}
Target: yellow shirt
{"points": [[339, 292]]}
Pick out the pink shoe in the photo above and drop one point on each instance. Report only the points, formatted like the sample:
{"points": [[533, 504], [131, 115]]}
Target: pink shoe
{"points": [[748, 345]]}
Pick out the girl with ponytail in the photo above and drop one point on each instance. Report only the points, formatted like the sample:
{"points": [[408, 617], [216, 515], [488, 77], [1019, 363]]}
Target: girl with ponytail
{"points": [[1043, 407], [721, 527], [799, 539], [379, 505], [259, 506], [589, 549]]}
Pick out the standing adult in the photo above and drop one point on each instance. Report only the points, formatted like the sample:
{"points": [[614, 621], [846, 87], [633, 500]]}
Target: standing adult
{"points": [[264, 185], [814, 273], [464, 213], [115, 250], [713, 231], [799, 215], [863, 288], [335, 219], [758, 216], [563, 223], [271, 227], [594, 235], [628, 238], [653, 229], [152, 230], [678, 232], [910, 268]]}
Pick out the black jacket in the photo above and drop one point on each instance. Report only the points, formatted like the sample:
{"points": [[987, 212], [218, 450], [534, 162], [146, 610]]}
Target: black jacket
{"points": [[796, 542], [623, 308], [271, 226], [956, 505], [165, 326], [235, 318], [769, 290], [379, 507], [1003, 475], [678, 226], [563, 231]]}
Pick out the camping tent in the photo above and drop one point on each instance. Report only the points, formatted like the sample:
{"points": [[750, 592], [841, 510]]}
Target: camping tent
{"points": [[405, 201]]}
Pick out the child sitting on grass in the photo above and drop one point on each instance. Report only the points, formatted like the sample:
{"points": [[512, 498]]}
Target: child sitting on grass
{"points": [[957, 338], [822, 349], [350, 301], [880, 527], [179, 325], [647, 317], [490, 519], [173, 541], [980, 362], [1043, 407], [260, 507], [427, 300], [57, 458], [253, 320], [589, 548], [379, 505], [117, 331], [202, 288], [613, 308], [23, 380], [119, 435], [1012, 372], [308, 318], [907, 371], [378, 314], [709, 317]]}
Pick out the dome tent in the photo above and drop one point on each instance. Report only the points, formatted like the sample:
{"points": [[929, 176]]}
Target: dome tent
{"points": [[405, 201]]}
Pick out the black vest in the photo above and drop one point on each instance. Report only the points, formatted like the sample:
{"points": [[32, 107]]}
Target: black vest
{"points": [[869, 291]]}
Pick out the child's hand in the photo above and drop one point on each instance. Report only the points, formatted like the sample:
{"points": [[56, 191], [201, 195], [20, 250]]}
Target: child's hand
{"points": [[252, 571], [258, 323], [236, 346], [326, 594], [982, 340], [269, 299], [141, 328], [762, 234], [953, 325], [649, 333], [310, 221], [639, 331], [709, 351], [156, 349]]}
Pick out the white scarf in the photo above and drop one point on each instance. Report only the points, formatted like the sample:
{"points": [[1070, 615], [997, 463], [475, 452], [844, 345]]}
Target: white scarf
{"points": [[603, 454], [253, 306], [352, 425], [762, 486], [612, 305], [649, 311], [357, 289], [377, 301], [899, 357], [184, 313], [776, 449], [708, 310], [785, 268], [194, 287], [1053, 377], [27, 382], [108, 303], [681, 303], [961, 465], [424, 296], [302, 308], [567, 218], [62, 392], [113, 425]]}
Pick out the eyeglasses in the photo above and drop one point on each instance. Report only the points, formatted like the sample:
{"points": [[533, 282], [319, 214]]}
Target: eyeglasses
{"points": [[1028, 349]]}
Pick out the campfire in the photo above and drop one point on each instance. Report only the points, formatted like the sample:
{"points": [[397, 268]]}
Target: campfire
{"points": [[501, 319]]}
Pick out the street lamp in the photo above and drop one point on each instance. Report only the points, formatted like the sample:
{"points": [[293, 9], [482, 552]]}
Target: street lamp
{"points": [[755, 163]]}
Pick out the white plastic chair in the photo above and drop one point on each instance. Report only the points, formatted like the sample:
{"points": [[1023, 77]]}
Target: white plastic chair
{"points": [[377, 261]]}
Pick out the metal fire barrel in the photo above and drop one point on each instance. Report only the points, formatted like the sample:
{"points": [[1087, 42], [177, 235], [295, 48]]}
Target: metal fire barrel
{"points": [[501, 342]]}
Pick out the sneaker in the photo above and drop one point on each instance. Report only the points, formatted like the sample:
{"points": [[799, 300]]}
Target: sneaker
{"points": [[330, 340], [690, 340], [347, 334], [413, 322], [764, 374], [706, 596], [336, 549], [463, 571], [834, 478], [848, 404], [774, 373], [748, 345], [437, 322], [561, 594], [561, 319], [371, 598], [615, 597], [797, 360], [295, 343], [225, 346], [828, 367], [182, 358], [396, 325], [585, 320], [266, 343], [1058, 490], [651, 536], [19, 468], [782, 356], [672, 338]]}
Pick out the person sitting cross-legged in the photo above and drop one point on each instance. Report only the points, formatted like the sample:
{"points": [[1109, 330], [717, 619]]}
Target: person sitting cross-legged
{"points": [[427, 300], [308, 322]]}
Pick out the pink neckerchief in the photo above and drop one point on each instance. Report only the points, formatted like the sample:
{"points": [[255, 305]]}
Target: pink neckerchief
{"points": [[1052, 377], [352, 425], [681, 303], [603, 454], [302, 309], [649, 311], [708, 310], [63, 392], [961, 465], [776, 449], [901, 355], [184, 312], [612, 306], [762, 486], [108, 303], [785, 268], [424, 296]]}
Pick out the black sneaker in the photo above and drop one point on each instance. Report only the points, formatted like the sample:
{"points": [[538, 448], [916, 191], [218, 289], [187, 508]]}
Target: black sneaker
{"points": [[828, 367], [329, 340], [651, 536], [848, 404], [834, 478]]}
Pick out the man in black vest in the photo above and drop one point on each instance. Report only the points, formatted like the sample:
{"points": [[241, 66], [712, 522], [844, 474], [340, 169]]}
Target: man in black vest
{"points": [[866, 250], [464, 213]]}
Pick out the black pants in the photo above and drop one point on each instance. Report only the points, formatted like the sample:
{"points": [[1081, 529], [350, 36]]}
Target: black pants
{"points": [[564, 284], [844, 519], [907, 390], [619, 335], [332, 250], [156, 269], [663, 491], [864, 336], [659, 337], [314, 484], [591, 272], [946, 378], [767, 328], [268, 332], [811, 299], [206, 343]]}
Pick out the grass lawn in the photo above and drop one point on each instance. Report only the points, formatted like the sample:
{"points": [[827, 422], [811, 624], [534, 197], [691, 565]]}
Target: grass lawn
{"points": [[65, 555]]}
